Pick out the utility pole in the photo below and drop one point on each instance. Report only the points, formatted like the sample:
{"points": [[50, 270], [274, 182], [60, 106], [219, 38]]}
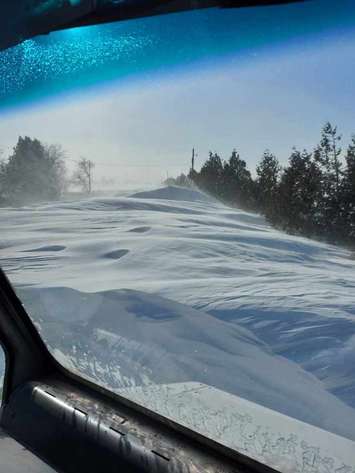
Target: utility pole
{"points": [[193, 160], [90, 166]]}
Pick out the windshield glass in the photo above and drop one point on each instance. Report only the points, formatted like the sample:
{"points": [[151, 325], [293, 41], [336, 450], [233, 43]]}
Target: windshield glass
{"points": [[177, 202]]}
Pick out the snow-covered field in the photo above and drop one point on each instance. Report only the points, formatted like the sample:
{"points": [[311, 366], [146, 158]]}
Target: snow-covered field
{"points": [[169, 286]]}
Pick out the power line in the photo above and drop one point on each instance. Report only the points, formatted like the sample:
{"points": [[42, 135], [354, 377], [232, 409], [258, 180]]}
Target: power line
{"points": [[120, 165]]}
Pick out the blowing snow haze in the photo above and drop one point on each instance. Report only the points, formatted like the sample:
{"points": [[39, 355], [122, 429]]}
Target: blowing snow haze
{"points": [[216, 79]]}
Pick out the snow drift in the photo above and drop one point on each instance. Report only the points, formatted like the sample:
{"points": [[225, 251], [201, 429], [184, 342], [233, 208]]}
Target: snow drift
{"points": [[175, 193], [293, 295], [127, 338]]}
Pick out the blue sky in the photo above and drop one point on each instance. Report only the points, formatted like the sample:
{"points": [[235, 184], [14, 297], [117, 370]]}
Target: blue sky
{"points": [[137, 96]]}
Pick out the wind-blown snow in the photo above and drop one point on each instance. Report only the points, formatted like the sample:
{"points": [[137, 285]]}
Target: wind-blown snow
{"points": [[293, 295], [175, 193]]}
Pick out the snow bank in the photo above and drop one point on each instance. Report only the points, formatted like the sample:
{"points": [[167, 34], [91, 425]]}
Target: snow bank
{"points": [[175, 193]]}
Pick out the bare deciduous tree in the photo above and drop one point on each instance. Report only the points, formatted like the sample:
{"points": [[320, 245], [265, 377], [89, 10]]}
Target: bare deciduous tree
{"points": [[83, 175]]}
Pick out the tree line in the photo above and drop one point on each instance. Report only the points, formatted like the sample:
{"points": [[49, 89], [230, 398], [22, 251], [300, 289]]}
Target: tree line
{"points": [[313, 195], [36, 172]]}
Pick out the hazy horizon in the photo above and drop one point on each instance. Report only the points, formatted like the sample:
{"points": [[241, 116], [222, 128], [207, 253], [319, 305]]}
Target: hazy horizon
{"points": [[141, 128]]}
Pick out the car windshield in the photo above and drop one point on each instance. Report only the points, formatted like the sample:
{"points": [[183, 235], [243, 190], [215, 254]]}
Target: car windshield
{"points": [[177, 214]]}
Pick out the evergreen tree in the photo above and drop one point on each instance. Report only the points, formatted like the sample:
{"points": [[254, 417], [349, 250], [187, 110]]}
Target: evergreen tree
{"points": [[299, 194], [210, 176], [237, 182], [328, 156], [313, 196], [34, 172], [349, 192], [268, 173]]}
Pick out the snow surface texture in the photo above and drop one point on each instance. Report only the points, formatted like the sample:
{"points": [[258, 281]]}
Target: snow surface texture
{"points": [[249, 294]]}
